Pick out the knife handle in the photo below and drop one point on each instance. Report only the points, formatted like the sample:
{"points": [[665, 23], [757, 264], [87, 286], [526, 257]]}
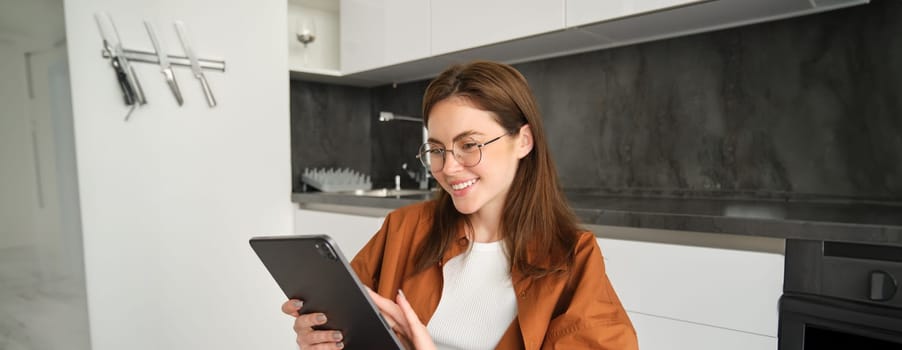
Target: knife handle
{"points": [[173, 85], [127, 94], [211, 101], [139, 91]]}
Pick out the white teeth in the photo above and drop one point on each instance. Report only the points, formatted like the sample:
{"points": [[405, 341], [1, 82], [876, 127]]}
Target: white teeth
{"points": [[463, 185]]}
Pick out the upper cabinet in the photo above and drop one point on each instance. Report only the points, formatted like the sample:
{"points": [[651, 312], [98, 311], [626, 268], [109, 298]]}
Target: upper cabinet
{"points": [[381, 33], [581, 12], [684, 17], [317, 23], [464, 24], [373, 42]]}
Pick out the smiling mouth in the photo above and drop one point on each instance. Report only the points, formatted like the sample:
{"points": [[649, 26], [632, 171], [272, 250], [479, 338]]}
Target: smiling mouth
{"points": [[463, 185]]}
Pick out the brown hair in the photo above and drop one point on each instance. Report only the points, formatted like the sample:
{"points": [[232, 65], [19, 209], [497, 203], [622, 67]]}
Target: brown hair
{"points": [[537, 226]]}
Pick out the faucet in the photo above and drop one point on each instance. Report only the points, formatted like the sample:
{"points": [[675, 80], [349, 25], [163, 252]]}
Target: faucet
{"points": [[423, 175]]}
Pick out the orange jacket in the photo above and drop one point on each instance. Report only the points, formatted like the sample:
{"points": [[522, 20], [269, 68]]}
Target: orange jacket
{"points": [[577, 309]]}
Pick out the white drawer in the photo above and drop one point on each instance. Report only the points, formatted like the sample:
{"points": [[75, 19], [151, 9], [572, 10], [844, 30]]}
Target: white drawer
{"points": [[733, 289], [657, 333]]}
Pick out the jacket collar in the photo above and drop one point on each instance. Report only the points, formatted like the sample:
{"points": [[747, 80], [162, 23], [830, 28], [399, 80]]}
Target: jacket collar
{"points": [[461, 243]]}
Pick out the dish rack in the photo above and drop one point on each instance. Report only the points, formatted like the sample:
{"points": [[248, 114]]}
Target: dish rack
{"points": [[336, 180]]}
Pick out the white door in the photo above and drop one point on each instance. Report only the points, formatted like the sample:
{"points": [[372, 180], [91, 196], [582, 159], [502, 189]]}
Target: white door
{"points": [[41, 266], [57, 230], [18, 186]]}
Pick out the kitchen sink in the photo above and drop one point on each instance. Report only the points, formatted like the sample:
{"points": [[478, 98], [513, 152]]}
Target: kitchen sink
{"points": [[387, 192]]}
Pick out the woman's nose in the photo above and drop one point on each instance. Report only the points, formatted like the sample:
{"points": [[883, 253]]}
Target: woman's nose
{"points": [[452, 165]]}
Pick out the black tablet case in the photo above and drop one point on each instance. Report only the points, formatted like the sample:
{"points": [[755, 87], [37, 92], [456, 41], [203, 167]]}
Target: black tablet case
{"points": [[312, 269]]}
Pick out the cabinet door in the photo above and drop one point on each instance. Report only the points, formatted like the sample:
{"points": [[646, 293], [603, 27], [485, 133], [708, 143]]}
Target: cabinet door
{"points": [[580, 12], [698, 18], [658, 333], [464, 24], [380, 33], [727, 288], [322, 54]]}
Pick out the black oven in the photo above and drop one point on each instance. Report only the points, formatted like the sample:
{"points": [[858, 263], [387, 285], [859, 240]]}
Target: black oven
{"points": [[841, 296]]}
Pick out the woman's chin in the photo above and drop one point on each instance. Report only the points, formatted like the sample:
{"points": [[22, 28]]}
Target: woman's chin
{"points": [[464, 206]]}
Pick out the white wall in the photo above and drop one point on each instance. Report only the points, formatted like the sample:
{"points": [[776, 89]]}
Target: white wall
{"points": [[170, 198]]}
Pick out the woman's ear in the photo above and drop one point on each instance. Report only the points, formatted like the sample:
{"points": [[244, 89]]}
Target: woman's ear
{"points": [[524, 141]]}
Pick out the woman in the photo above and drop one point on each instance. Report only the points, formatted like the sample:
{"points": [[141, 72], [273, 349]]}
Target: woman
{"points": [[497, 259]]}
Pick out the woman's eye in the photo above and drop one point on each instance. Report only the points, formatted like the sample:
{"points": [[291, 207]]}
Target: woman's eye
{"points": [[468, 146]]}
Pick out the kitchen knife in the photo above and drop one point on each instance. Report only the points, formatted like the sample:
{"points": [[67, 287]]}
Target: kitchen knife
{"points": [[127, 94], [165, 66], [195, 65], [132, 77]]}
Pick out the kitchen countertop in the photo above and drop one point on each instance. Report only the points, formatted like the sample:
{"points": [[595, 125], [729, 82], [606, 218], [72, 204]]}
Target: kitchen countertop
{"points": [[831, 219]]}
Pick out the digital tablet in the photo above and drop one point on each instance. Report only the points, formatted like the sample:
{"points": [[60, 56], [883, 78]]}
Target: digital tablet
{"points": [[312, 269]]}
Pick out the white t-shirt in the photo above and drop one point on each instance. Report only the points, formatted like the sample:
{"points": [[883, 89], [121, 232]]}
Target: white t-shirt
{"points": [[478, 301]]}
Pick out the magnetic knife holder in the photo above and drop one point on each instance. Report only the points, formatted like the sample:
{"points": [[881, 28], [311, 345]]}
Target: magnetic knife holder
{"points": [[151, 57]]}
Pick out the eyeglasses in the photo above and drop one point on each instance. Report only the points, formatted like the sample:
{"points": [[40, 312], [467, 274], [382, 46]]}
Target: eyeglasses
{"points": [[467, 151]]}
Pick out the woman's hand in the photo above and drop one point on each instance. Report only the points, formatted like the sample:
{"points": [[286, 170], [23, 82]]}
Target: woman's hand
{"points": [[404, 321], [308, 338]]}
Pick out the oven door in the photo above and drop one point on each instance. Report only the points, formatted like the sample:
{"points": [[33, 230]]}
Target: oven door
{"points": [[815, 322]]}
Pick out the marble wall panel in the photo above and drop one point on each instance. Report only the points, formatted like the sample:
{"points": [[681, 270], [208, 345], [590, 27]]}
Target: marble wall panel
{"points": [[330, 128], [397, 142], [806, 106]]}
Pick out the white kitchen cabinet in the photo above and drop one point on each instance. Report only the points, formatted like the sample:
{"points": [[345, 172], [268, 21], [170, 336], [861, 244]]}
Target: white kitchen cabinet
{"points": [[726, 288], [321, 19], [396, 41], [380, 33], [466, 24], [580, 12], [659, 333], [660, 19], [718, 296]]}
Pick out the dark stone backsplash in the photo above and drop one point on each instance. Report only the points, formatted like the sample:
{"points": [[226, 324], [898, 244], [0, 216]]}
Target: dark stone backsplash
{"points": [[398, 141], [329, 128], [807, 106]]}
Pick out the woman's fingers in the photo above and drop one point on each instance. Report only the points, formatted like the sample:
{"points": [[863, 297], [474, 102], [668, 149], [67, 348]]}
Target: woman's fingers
{"points": [[308, 338], [411, 316], [419, 335], [305, 322], [324, 346], [392, 313], [292, 307], [400, 316], [319, 337]]}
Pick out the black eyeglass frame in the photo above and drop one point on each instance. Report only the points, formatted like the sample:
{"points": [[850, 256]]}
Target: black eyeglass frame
{"points": [[427, 163]]}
